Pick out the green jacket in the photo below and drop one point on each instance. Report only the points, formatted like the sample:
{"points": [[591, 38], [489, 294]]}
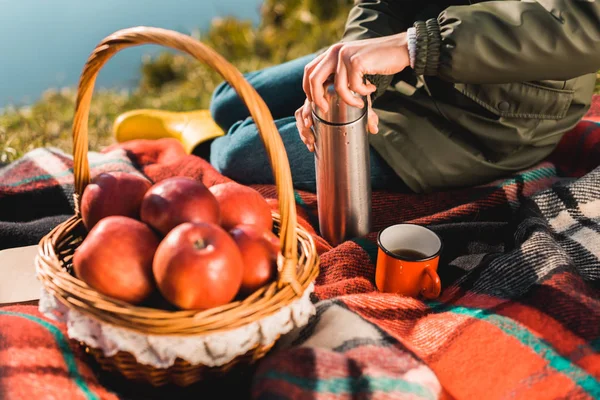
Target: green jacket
{"points": [[508, 77]]}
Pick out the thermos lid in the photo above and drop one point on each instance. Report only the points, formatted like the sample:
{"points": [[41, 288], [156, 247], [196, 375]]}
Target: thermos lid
{"points": [[339, 111]]}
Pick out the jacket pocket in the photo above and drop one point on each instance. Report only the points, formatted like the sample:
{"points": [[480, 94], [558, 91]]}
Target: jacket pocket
{"points": [[520, 100]]}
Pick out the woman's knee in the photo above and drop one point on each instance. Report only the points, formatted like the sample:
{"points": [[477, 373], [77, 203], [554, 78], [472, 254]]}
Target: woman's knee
{"points": [[223, 102], [241, 155]]}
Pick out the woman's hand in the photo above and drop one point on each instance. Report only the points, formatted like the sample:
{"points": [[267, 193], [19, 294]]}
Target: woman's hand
{"points": [[349, 63], [304, 123]]}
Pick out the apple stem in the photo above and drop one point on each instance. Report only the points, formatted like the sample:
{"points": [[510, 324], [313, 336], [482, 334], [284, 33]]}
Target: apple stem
{"points": [[200, 244]]}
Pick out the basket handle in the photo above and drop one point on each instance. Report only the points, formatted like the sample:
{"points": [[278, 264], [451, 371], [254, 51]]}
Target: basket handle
{"points": [[258, 110]]}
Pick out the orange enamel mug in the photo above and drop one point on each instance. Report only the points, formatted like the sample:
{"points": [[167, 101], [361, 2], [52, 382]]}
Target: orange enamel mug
{"points": [[407, 261]]}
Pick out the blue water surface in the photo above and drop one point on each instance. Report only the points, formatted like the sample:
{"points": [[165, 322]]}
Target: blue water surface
{"points": [[45, 43]]}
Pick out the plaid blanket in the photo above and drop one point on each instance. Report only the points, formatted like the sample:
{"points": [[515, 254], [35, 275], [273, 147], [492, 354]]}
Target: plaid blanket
{"points": [[519, 315], [36, 192]]}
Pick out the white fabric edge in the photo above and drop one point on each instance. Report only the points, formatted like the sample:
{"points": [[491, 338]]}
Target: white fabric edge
{"points": [[412, 45], [211, 350]]}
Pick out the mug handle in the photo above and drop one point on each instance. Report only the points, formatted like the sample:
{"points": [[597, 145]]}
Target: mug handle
{"points": [[435, 287]]}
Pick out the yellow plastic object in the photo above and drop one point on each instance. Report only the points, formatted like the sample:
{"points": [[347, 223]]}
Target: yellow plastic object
{"points": [[191, 128]]}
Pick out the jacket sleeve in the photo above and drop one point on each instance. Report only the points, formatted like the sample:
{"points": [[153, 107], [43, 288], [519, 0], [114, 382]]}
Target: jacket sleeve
{"points": [[509, 41], [376, 18]]}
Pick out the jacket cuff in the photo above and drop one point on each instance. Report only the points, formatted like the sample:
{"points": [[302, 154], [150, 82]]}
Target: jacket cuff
{"points": [[424, 41], [381, 82]]}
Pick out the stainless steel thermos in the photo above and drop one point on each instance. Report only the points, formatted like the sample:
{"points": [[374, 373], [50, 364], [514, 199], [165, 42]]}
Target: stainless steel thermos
{"points": [[342, 169]]}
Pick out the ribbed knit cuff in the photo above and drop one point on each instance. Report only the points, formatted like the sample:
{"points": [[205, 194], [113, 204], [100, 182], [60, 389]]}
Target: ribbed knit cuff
{"points": [[424, 41]]}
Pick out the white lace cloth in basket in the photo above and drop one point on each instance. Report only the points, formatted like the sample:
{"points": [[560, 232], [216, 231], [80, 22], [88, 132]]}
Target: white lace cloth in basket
{"points": [[161, 351]]}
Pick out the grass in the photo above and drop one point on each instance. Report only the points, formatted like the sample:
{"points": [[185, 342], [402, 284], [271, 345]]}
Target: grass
{"points": [[288, 29]]}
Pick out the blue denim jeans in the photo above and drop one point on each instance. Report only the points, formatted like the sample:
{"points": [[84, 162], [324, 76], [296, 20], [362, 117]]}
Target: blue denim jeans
{"points": [[240, 154]]}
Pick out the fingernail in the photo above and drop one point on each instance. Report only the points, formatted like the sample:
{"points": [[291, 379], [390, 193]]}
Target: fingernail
{"points": [[375, 130]]}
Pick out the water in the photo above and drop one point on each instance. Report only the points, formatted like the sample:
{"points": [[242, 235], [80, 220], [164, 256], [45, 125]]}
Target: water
{"points": [[45, 43]]}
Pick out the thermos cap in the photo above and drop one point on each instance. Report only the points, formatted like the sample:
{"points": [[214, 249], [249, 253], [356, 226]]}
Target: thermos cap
{"points": [[339, 111]]}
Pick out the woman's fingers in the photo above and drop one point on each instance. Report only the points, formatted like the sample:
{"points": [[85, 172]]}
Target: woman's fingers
{"points": [[304, 130], [308, 69], [356, 73], [307, 114], [341, 83], [351, 60], [373, 122], [372, 118], [319, 76]]}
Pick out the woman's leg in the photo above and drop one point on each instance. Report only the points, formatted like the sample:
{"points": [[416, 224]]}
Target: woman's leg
{"points": [[241, 156], [279, 86]]}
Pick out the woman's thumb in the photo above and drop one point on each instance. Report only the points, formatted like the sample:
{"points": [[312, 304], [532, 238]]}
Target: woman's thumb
{"points": [[373, 119]]}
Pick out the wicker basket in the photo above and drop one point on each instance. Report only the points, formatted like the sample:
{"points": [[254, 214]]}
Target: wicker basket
{"points": [[297, 263]]}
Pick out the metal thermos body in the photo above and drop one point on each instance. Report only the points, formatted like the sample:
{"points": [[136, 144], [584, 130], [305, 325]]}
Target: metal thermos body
{"points": [[343, 169]]}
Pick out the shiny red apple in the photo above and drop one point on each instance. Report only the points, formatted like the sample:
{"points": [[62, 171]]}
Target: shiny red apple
{"points": [[116, 259], [198, 266], [112, 193], [174, 201], [259, 255], [242, 205]]}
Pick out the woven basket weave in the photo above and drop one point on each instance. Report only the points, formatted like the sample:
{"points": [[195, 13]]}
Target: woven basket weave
{"points": [[297, 264]]}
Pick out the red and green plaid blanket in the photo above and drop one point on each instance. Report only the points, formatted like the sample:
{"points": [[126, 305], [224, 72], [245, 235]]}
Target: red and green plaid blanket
{"points": [[519, 315]]}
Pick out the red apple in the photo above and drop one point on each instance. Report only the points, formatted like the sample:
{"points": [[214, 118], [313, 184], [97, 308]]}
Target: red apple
{"points": [[177, 200], [242, 205], [259, 257], [273, 203], [116, 259], [273, 240], [198, 266], [112, 193]]}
